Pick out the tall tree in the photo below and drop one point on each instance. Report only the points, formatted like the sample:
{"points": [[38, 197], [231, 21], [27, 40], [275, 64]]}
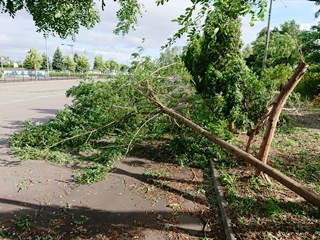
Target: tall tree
{"points": [[284, 47], [310, 85], [69, 64], [99, 63], [44, 62], [83, 63], [57, 61], [112, 66], [33, 60], [75, 59]]}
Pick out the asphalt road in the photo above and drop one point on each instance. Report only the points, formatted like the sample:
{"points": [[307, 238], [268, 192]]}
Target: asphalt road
{"points": [[36, 101], [30, 100]]}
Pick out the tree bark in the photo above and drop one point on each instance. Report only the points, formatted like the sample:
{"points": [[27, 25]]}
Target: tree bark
{"points": [[276, 111], [253, 132], [296, 187]]}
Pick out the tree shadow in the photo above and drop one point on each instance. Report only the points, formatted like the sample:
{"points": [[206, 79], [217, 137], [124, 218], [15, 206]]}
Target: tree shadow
{"points": [[156, 152], [45, 110], [152, 181], [144, 164], [84, 222]]}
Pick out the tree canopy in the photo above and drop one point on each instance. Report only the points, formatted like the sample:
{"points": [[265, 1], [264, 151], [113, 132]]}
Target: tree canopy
{"points": [[83, 63], [64, 18], [33, 59], [57, 61]]}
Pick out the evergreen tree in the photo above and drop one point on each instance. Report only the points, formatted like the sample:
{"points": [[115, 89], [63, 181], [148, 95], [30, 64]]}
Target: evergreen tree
{"points": [[57, 62], [44, 62], [75, 59]]}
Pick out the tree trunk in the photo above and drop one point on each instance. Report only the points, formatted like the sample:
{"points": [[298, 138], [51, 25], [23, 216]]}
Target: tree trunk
{"points": [[301, 190], [276, 111]]}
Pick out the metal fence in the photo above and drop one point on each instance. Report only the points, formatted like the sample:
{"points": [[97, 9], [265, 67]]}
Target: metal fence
{"points": [[14, 78]]}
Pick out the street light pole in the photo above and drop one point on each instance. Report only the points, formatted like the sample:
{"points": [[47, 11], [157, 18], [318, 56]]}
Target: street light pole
{"points": [[264, 62], [70, 45], [47, 56]]}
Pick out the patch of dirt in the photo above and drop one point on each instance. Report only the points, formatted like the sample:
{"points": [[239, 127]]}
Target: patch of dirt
{"points": [[140, 199]]}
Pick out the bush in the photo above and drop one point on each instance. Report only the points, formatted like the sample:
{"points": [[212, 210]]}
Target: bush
{"points": [[309, 86]]}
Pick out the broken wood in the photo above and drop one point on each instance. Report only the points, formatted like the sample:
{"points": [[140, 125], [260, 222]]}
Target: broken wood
{"points": [[276, 111], [253, 132], [296, 187]]}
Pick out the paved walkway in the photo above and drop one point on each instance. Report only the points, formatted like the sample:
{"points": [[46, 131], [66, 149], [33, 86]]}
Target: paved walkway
{"points": [[118, 207]]}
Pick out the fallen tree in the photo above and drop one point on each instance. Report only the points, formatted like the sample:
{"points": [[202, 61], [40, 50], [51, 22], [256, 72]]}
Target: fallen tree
{"points": [[276, 111], [288, 182], [106, 117]]}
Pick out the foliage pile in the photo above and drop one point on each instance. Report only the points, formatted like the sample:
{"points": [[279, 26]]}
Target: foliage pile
{"points": [[105, 118]]}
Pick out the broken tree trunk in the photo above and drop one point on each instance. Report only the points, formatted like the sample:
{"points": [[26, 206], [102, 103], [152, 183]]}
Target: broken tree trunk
{"points": [[276, 111], [256, 130], [301, 190]]}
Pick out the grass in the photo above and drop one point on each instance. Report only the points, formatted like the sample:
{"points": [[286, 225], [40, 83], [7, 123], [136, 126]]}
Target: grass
{"points": [[262, 211], [24, 223]]}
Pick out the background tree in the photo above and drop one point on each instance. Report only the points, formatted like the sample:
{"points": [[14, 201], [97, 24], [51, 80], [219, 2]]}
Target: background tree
{"points": [[75, 59], [112, 66], [99, 63], [170, 55], [69, 64], [57, 61], [33, 60], [310, 84], [283, 48], [44, 62], [83, 63]]}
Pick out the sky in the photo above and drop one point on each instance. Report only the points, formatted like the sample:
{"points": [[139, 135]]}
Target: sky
{"points": [[18, 35]]}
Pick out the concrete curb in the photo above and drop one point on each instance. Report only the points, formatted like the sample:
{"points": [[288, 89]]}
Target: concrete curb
{"points": [[222, 203]]}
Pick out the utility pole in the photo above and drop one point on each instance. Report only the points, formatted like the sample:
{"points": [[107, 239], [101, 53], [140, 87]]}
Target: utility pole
{"points": [[47, 56], [264, 62]]}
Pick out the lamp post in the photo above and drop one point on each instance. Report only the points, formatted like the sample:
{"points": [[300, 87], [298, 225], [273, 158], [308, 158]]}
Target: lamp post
{"points": [[70, 45], [47, 56]]}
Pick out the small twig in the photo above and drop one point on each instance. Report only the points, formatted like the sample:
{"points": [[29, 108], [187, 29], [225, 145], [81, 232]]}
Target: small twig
{"points": [[88, 137], [88, 132], [159, 69], [195, 178], [76, 136], [256, 130], [137, 132]]}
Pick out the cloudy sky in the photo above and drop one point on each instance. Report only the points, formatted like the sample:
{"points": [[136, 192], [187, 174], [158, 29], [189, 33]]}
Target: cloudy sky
{"points": [[18, 35]]}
